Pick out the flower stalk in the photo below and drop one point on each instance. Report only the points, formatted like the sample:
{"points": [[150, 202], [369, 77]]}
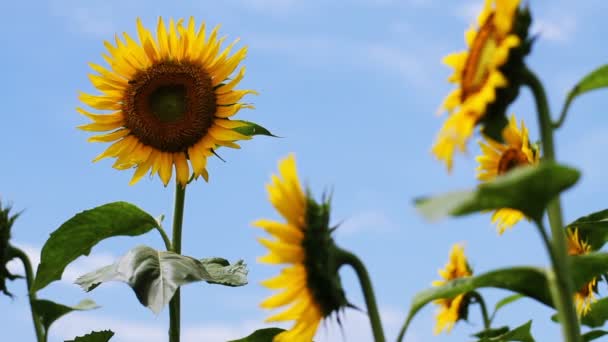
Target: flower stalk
{"points": [[29, 278], [562, 287], [484, 310], [174, 304]]}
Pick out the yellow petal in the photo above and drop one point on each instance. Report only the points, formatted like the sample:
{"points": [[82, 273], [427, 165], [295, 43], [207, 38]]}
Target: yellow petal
{"points": [[182, 170]]}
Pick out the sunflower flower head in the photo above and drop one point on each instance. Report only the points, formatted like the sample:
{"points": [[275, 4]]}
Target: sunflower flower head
{"points": [[451, 310], [311, 284], [166, 101], [585, 296], [498, 158], [6, 223], [487, 76]]}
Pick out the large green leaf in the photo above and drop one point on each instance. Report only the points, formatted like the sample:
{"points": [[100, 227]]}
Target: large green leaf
{"points": [[585, 267], [594, 334], [79, 234], [528, 189], [156, 275], [528, 281], [597, 79], [50, 311], [261, 335], [519, 334], [94, 336], [593, 228], [251, 128]]}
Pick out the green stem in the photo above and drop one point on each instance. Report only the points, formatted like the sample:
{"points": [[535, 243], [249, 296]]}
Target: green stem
{"points": [[484, 311], [563, 288], [562, 116], [174, 304], [347, 258], [29, 278], [166, 240]]}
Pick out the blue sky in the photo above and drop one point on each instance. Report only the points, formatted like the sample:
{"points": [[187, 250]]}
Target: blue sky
{"points": [[352, 86]]}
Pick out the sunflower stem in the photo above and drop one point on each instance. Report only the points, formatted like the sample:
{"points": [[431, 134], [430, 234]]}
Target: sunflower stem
{"points": [[484, 310], [29, 278], [562, 282], [347, 258], [174, 304], [165, 237]]}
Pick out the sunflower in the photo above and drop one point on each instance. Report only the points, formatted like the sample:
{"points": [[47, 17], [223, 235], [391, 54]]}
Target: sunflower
{"points": [[586, 294], [499, 158], [453, 309], [311, 284], [483, 73], [166, 100], [6, 250]]}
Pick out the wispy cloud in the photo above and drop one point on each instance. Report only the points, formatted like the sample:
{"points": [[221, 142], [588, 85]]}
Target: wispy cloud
{"points": [[96, 19], [368, 221], [555, 29]]}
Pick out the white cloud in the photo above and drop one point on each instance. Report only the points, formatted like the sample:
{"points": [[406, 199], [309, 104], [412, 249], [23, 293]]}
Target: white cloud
{"points": [[85, 17], [367, 221], [555, 29]]}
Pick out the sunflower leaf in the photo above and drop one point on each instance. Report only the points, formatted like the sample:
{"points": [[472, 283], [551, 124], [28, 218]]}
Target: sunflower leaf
{"points": [[50, 311], [519, 334], [95, 336], [593, 228], [251, 128], [155, 275], [596, 79], [79, 234], [261, 335], [528, 189], [597, 315], [505, 301], [528, 281], [593, 334]]}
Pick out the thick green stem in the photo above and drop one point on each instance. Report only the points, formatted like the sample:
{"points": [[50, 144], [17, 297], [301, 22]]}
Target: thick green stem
{"points": [[563, 288], [484, 310], [174, 304], [29, 278], [347, 258]]}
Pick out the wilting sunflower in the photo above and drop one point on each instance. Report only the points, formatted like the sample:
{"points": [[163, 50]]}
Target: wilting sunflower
{"points": [[586, 294], [485, 74], [6, 250], [169, 98], [499, 158], [451, 310], [311, 284]]}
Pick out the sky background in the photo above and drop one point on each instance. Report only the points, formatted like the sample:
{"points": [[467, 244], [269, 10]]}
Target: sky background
{"points": [[353, 87]]}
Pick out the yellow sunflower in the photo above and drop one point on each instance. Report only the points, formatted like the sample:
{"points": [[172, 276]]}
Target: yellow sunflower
{"points": [[166, 100], [451, 310], [311, 284], [499, 158], [478, 74], [586, 294]]}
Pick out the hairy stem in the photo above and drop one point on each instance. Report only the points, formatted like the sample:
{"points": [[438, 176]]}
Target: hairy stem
{"points": [[29, 278], [174, 304]]}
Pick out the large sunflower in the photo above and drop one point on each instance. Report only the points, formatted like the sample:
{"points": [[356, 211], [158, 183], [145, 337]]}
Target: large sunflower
{"points": [[451, 310], [499, 158], [170, 99], [311, 284], [479, 74], [586, 294]]}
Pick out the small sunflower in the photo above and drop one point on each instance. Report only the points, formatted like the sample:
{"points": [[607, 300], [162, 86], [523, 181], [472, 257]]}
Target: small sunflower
{"points": [[311, 284], [499, 158], [485, 73], [6, 250], [169, 98], [586, 294], [451, 310]]}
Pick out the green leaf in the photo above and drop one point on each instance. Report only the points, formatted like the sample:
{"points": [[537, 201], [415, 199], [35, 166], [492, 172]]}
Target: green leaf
{"points": [[50, 311], [594, 334], [79, 234], [528, 189], [597, 79], [261, 335], [528, 281], [156, 275], [492, 332], [505, 301], [597, 315], [593, 228], [94, 336], [251, 128], [520, 334]]}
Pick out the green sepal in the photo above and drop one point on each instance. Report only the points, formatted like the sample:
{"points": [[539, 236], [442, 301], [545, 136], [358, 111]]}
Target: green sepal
{"points": [[81, 233], [528, 189], [519, 334], [50, 311], [251, 128], [261, 335], [94, 336]]}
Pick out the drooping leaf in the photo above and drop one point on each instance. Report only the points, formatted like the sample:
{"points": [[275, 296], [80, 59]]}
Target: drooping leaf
{"points": [[155, 275], [79, 234], [251, 128], [505, 301], [261, 335], [519, 334], [528, 189], [593, 228], [596, 79], [597, 315], [94, 336], [594, 334], [50, 311], [528, 281]]}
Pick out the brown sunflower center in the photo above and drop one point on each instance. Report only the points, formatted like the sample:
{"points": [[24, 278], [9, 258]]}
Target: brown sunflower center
{"points": [[477, 67], [170, 106], [511, 159]]}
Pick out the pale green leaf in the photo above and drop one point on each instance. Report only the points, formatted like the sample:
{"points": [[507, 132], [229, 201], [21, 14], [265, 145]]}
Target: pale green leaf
{"points": [[50, 311]]}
